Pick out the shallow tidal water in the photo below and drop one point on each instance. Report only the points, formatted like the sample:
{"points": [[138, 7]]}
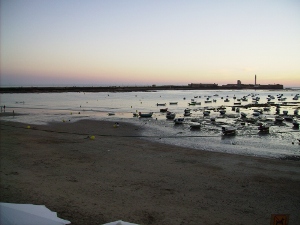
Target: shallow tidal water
{"points": [[280, 142]]}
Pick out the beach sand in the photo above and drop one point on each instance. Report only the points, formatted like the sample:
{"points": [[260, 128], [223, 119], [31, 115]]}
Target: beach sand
{"points": [[118, 176]]}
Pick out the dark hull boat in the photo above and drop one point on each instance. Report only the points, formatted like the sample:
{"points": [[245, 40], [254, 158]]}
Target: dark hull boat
{"points": [[228, 130]]}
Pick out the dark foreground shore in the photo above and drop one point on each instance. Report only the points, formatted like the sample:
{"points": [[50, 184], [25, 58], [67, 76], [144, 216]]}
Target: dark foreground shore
{"points": [[114, 177]]}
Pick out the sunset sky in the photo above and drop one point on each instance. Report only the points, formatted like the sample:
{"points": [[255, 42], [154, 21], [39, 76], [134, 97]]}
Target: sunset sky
{"points": [[127, 42]]}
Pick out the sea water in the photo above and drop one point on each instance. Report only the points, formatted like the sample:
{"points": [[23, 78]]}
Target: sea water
{"points": [[281, 141]]}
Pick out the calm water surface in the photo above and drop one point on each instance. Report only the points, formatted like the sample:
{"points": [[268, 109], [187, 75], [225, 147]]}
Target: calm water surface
{"points": [[281, 141]]}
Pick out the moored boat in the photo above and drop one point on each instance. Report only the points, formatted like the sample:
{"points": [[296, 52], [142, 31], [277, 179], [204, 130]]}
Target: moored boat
{"points": [[296, 123], [149, 114], [195, 125], [264, 128], [222, 112], [170, 115], [206, 113], [243, 115], [278, 119], [179, 120], [228, 130], [163, 110], [187, 112], [160, 104]]}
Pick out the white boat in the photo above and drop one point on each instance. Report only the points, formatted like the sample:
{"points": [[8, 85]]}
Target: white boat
{"points": [[179, 120], [228, 130], [195, 125]]}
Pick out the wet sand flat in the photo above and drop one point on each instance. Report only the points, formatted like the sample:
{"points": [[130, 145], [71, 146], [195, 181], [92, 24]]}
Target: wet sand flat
{"points": [[118, 176]]}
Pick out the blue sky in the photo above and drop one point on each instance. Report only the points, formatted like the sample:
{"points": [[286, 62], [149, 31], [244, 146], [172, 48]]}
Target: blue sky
{"points": [[64, 42]]}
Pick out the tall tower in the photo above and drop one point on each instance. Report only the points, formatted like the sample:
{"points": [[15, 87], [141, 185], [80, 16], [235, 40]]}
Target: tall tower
{"points": [[255, 80]]}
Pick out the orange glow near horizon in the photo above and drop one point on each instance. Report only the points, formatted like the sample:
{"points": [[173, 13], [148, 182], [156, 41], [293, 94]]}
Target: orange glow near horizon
{"points": [[194, 42]]}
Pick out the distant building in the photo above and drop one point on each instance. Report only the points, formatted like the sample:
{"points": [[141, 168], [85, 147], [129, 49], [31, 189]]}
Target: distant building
{"points": [[200, 85]]}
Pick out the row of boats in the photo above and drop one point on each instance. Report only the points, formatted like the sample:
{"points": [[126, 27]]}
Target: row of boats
{"points": [[227, 130], [237, 101]]}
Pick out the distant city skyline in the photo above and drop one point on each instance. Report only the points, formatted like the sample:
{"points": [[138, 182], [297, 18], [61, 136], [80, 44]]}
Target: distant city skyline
{"points": [[74, 42]]}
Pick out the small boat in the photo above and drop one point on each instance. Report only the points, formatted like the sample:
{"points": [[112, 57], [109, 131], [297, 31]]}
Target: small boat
{"points": [[237, 110], [296, 123], [296, 111], [222, 112], [187, 112], [111, 113], [278, 119], [192, 103], [173, 103], [264, 128], [170, 115], [228, 130], [256, 114], [179, 120], [226, 100], [163, 110], [288, 117], [207, 101], [161, 104], [213, 119], [243, 115], [206, 113], [195, 125], [149, 114]]}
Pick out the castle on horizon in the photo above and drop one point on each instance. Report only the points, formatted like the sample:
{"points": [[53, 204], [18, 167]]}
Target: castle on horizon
{"points": [[238, 85]]}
